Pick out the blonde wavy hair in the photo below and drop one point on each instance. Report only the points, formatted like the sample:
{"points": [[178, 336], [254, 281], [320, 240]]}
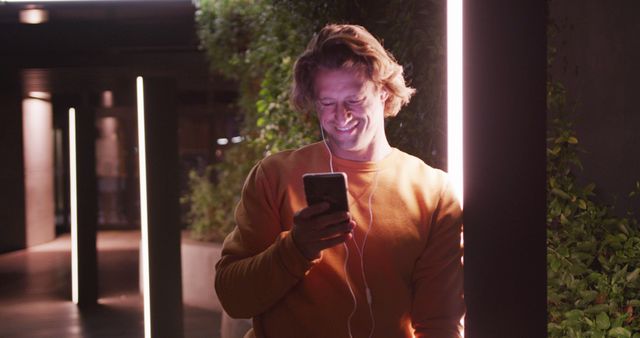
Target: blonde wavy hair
{"points": [[349, 47]]}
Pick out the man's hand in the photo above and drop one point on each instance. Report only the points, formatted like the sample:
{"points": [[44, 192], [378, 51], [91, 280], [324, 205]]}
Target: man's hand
{"points": [[314, 231]]}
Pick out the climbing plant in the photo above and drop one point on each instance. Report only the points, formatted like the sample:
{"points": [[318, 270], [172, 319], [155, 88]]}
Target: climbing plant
{"points": [[593, 256], [256, 42]]}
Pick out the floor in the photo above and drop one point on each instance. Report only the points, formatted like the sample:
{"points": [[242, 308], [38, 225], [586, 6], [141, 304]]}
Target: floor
{"points": [[35, 294]]}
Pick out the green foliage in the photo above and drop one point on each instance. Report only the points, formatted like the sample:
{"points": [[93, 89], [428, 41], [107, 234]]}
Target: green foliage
{"points": [[593, 257], [414, 32], [255, 42], [201, 215]]}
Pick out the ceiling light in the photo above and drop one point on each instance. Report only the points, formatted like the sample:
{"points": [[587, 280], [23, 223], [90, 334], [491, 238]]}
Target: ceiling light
{"points": [[34, 16], [40, 95]]}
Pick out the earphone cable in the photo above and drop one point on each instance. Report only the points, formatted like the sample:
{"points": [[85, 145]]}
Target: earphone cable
{"points": [[324, 140], [360, 252], [346, 248]]}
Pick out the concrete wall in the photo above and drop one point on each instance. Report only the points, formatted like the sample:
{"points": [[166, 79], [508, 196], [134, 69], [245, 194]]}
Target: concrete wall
{"points": [[598, 61], [198, 276], [198, 273]]}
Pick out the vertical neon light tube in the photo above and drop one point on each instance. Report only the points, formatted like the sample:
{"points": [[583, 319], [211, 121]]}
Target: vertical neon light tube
{"points": [[144, 220], [455, 95], [73, 191], [455, 101]]}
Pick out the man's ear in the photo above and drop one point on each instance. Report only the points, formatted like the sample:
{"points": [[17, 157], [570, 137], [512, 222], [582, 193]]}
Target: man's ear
{"points": [[384, 95]]}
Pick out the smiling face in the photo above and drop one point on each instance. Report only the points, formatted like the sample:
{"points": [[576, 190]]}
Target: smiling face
{"points": [[351, 111]]}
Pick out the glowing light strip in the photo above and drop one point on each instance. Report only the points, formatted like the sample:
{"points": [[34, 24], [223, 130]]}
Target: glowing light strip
{"points": [[455, 99], [73, 191], [455, 95], [144, 220]]}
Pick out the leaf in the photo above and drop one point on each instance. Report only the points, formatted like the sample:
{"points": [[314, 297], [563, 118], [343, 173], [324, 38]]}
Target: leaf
{"points": [[624, 228], [554, 151], [619, 332], [555, 264], [582, 204], [588, 295], [633, 275], [597, 308], [602, 321], [560, 193], [554, 326], [572, 140], [574, 314], [589, 188]]}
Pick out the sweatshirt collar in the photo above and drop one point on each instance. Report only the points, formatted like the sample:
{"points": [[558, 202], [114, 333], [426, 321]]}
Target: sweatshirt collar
{"points": [[362, 165]]}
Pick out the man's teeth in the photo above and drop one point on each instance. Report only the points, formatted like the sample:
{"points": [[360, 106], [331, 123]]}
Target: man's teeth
{"points": [[345, 128]]}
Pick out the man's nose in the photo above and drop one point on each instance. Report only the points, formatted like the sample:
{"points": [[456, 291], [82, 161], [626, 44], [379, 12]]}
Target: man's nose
{"points": [[343, 114]]}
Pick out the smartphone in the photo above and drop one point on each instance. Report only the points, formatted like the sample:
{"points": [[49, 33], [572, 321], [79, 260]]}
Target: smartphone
{"points": [[327, 187]]}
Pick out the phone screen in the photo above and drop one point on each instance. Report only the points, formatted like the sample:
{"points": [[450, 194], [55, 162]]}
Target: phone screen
{"points": [[327, 187]]}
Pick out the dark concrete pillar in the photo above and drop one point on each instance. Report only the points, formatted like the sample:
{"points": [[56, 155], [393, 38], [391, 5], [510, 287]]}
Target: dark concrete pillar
{"points": [[12, 211], [505, 120], [163, 208], [87, 205]]}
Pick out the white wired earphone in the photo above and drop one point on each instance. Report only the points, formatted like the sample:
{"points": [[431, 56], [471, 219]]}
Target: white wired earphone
{"points": [[360, 251]]}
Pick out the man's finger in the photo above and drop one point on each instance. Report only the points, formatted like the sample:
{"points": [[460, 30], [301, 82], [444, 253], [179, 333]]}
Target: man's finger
{"points": [[331, 242], [328, 220], [312, 210], [333, 230]]}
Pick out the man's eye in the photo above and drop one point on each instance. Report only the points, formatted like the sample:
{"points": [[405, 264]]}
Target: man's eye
{"points": [[326, 104], [355, 101]]}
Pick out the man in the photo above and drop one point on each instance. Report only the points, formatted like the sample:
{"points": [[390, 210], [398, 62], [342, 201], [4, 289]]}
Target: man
{"points": [[391, 266]]}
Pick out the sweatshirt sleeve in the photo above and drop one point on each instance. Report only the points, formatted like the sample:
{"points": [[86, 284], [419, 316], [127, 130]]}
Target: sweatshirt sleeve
{"points": [[259, 262], [438, 302]]}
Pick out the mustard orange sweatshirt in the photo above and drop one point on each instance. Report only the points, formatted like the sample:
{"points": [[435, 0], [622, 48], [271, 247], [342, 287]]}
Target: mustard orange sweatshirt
{"points": [[412, 257]]}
